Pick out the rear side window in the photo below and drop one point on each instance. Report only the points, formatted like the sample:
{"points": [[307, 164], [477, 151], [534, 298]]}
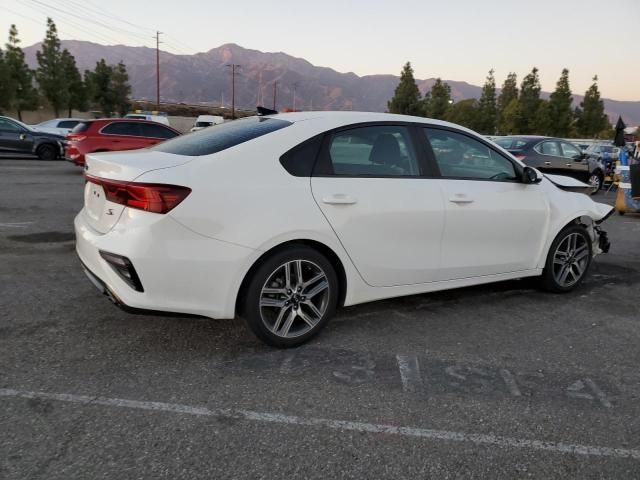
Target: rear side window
{"points": [[220, 137], [379, 151], [67, 123], [549, 148], [156, 131], [299, 161], [123, 128], [81, 127]]}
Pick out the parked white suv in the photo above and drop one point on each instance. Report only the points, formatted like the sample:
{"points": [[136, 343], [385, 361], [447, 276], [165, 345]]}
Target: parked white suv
{"points": [[59, 126]]}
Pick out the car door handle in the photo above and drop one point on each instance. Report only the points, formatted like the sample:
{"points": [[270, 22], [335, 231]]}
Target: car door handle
{"points": [[547, 163], [460, 198], [339, 199]]}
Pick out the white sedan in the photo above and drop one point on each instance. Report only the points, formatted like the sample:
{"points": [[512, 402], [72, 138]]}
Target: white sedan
{"points": [[59, 126], [282, 219]]}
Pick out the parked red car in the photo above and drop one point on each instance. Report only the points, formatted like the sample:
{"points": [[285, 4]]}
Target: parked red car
{"points": [[113, 134]]}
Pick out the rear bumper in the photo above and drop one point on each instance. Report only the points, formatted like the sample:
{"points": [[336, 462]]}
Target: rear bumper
{"points": [[182, 272]]}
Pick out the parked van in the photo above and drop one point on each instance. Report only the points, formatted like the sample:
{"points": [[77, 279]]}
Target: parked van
{"points": [[159, 117], [204, 121]]}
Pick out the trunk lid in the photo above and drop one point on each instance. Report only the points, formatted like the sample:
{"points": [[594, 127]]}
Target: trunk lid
{"points": [[101, 214]]}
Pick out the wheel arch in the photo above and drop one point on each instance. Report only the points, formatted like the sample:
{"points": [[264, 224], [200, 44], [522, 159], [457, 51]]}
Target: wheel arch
{"points": [[322, 248], [582, 218]]}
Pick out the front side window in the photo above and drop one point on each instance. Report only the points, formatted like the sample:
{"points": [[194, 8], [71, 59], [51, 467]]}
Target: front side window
{"points": [[460, 156], [220, 137], [569, 151], [8, 126], [377, 151], [123, 128]]}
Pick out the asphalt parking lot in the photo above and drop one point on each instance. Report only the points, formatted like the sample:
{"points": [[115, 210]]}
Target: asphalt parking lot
{"points": [[498, 381]]}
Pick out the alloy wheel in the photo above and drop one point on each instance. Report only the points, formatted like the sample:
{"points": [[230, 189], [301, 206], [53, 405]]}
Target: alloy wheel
{"points": [[594, 181], [294, 298], [570, 260]]}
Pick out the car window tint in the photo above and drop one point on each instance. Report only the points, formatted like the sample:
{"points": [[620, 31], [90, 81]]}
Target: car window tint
{"points": [[156, 131], [81, 127], [569, 151], [384, 150], [510, 143], [220, 137], [9, 126], [460, 156], [549, 148], [299, 161], [67, 123], [123, 128]]}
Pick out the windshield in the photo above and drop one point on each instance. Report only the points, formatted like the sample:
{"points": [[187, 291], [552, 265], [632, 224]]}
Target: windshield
{"points": [[203, 124]]}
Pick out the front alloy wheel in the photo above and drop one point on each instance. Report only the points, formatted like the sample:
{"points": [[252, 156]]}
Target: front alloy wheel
{"points": [[290, 297], [568, 260], [596, 182]]}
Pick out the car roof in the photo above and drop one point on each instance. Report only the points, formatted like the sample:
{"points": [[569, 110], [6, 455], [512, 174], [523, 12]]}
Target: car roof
{"points": [[336, 119]]}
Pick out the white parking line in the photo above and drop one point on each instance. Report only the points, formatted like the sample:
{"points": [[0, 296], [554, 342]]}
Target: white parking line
{"points": [[342, 425]]}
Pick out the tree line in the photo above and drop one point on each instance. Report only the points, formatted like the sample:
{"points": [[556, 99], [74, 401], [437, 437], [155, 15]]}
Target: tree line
{"points": [[514, 111], [57, 81]]}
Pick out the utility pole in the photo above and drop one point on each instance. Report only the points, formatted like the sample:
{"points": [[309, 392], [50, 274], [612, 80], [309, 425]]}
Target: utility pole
{"points": [[275, 93], [158, 69], [295, 85], [233, 89]]}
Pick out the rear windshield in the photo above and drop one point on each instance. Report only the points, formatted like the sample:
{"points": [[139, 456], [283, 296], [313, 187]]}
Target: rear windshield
{"points": [[220, 137], [81, 127]]}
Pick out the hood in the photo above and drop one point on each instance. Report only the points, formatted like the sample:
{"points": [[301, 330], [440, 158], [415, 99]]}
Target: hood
{"points": [[569, 183]]}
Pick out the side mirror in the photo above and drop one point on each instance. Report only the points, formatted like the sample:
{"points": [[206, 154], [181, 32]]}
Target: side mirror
{"points": [[580, 157], [530, 176], [23, 136]]}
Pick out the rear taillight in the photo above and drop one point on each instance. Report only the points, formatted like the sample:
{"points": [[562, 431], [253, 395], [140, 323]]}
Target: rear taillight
{"points": [[75, 138], [150, 197], [520, 157]]}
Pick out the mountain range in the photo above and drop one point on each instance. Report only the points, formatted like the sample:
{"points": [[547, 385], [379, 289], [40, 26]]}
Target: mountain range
{"points": [[206, 78]]}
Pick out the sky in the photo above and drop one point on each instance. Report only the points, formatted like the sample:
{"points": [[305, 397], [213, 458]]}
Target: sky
{"points": [[451, 39]]}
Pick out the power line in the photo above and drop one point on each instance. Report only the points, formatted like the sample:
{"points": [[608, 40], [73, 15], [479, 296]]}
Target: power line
{"points": [[100, 11]]}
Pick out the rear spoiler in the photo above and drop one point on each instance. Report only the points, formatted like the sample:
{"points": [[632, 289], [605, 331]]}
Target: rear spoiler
{"points": [[265, 111]]}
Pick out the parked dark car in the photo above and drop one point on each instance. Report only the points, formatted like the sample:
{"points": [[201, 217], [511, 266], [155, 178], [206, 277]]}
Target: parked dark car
{"points": [[16, 137], [114, 134], [555, 156]]}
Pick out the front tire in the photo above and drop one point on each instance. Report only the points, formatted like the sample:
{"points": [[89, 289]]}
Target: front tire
{"points": [[568, 260], [290, 297], [596, 180], [47, 152]]}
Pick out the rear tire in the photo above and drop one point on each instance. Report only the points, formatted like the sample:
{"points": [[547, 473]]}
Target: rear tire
{"points": [[568, 260], [47, 152], [287, 309]]}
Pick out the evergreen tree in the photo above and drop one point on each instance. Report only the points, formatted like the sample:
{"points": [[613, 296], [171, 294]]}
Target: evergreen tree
{"points": [[560, 113], [51, 71], [5, 92], [508, 93], [406, 98], [77, 97], [543, 124], [99, 84], [510, 119], [529, 102], [487, 109], [593, 119], [23, 96], [440, 99], [465, 113], [120, 88]]}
